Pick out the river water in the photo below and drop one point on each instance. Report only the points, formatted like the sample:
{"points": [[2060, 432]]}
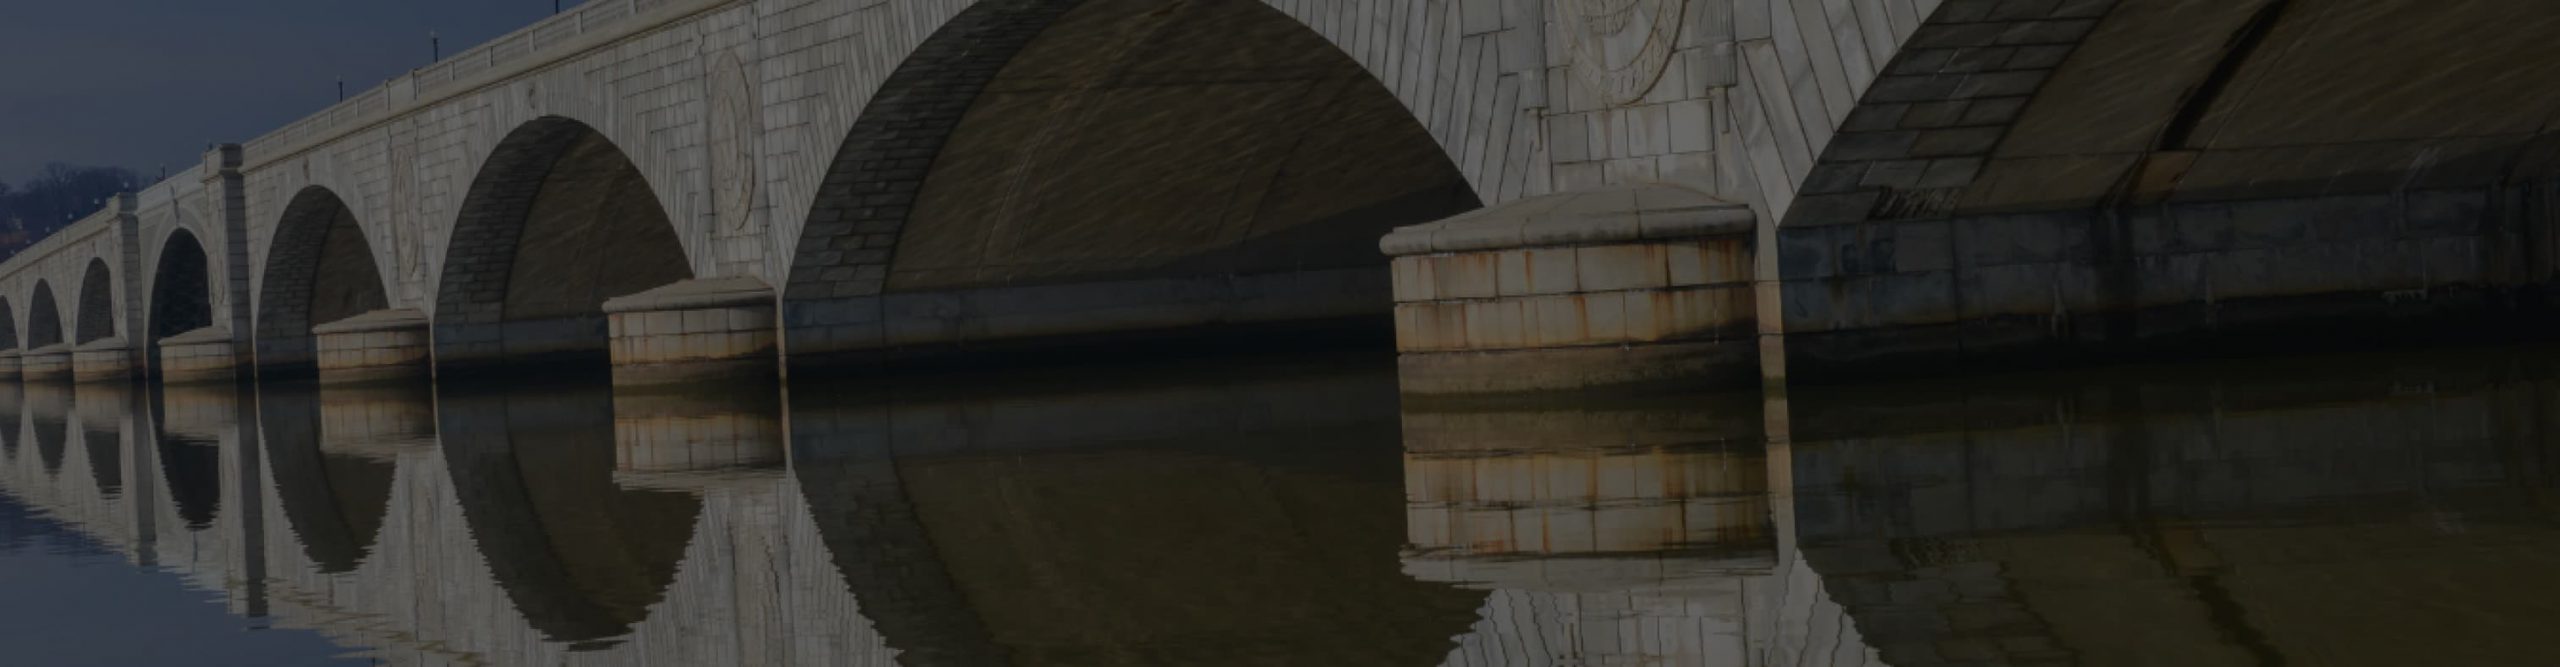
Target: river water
{"points": [[2380, 509]]}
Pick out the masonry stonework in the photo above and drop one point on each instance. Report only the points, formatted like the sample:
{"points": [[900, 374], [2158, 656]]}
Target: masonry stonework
{"points": [[1929, 182]]}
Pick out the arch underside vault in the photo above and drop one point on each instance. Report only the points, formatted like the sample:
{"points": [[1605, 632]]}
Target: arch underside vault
{"points": [[97, 309], [1056, 170], [319, 269], [558, 221], [44, 318], [2047, 183]]}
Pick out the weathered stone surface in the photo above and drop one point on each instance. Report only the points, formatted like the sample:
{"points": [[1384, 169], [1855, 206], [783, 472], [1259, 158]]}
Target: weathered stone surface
{"points": [[376, 345], [200, 355], [997, 175]]}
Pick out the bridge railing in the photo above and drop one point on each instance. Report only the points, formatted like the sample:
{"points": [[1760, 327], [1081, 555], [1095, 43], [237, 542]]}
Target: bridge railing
{"points": [[591, 24]]}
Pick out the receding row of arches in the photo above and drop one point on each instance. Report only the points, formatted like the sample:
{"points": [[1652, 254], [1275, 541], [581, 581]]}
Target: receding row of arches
{"points": [[94, 319], [1028, 145]]}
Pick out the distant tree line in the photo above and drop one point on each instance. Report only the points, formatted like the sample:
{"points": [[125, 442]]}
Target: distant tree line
{"points": [[55, 198]]}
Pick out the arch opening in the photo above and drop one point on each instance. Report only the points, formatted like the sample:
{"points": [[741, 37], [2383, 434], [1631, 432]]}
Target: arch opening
{"points": [[181, 291], [97, 314], [1052, 170], [182, 288], [8, 325], [44, 318], [558, 221], [320, 269]]}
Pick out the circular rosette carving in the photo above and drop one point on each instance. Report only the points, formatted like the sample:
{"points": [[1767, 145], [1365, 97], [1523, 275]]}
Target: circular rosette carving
{"points": [[1621, 47]]}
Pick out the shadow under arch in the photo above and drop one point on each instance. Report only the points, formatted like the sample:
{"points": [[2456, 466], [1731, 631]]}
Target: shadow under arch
{"points": [[97, 315], [335, 503], [44, 318], [319, 269], [8, 325], [533, 464], [558, 220], [181, 292], [1080, 171]]}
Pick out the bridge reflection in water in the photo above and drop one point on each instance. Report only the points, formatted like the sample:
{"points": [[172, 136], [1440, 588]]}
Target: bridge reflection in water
{"points": [[1290, 513]]}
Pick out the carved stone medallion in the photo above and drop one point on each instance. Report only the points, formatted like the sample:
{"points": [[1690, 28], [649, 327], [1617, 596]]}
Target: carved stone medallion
{"points": [[1621, 47], [731, 142], [408, 247]]}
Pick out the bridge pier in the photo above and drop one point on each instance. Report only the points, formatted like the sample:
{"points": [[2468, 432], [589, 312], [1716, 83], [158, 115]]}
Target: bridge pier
{"points": [[10, 365], [102, 359], [691, 330], [381, 344], [1625, 287], [51, 362], [201, 355]]}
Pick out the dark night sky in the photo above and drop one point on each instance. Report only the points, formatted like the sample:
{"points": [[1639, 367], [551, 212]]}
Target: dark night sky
{"points": [[143, 83]]}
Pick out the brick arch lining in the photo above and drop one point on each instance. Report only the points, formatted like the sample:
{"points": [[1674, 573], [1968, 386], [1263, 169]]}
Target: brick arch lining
{"points": [[44, 318], [97, 315], [319, 269]]}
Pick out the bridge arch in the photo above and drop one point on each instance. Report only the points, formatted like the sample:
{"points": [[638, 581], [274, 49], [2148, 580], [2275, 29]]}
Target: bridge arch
{"points": [[320, 267], [181, 296], [558, 220], [97, 315], [8, 325], [44, 317], [1197, 163]]}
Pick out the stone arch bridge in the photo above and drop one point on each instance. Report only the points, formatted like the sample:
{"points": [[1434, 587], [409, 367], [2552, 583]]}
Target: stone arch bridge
{"points": [[1573, 192]]}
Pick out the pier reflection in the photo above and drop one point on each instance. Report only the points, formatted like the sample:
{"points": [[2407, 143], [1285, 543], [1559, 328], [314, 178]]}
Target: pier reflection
{"points": [[1295, 512]]}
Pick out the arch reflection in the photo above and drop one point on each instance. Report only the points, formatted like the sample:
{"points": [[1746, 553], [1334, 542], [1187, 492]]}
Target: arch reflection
{"points": [[192, 420], [103, 410], [1159, 516], [534, 464], [13, 411], [334, 485], [49, 422]]}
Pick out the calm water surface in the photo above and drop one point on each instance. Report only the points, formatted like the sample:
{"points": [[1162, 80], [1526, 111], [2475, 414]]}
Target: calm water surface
{"points": [[2373, 510]]}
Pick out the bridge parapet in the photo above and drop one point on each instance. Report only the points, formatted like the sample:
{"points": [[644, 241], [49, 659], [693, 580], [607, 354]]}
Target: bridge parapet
{"points": [[587, 26]]}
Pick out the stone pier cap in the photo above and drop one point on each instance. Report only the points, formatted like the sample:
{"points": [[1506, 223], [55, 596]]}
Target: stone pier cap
{"points": [[1630, 288], [395, 319], [731, 292], [207, 335], [200, 354], [1615, 215], [692, 330]]}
